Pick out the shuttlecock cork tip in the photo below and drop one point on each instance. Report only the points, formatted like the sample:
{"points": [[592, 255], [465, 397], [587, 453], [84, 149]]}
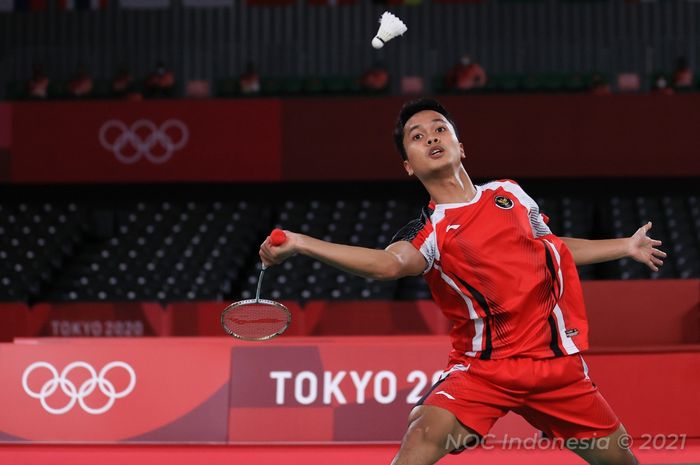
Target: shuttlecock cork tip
{"points": [[377, 43]]}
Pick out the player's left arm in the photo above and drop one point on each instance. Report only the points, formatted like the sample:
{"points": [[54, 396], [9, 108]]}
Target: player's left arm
{"points": [[639, 246]]}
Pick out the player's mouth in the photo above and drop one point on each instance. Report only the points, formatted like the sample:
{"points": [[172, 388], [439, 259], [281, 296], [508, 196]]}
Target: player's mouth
{"points": [[436, 152]]}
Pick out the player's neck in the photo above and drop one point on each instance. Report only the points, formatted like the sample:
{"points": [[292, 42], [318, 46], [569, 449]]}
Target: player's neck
{"points": [[457, 188]]}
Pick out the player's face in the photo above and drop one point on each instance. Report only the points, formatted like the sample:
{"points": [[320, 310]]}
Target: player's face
{"points": [[431, 145]]}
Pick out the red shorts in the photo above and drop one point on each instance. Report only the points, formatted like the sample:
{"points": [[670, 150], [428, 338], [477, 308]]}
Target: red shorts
{"points": [[554, 395]]}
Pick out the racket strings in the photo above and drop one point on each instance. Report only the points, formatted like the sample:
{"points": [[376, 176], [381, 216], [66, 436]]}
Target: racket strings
{"points": [[256, 320]]}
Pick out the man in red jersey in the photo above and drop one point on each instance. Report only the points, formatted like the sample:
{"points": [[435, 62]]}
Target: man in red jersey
{"points": [[512, 291]]}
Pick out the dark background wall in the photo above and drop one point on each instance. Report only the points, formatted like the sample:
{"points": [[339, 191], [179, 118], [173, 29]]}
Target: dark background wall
{"points": [[506, 36]]}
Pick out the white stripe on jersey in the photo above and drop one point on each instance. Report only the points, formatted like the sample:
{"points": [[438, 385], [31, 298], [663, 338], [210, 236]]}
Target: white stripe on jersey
{"points": [[566, 341], [429, 248], [478, 321], [459, 367], [539, 227], [585, 368], [556, 254]]}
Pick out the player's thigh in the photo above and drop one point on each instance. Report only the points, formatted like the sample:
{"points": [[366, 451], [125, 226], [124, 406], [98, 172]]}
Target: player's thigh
{"points": [[608, 450], [435, 425]]}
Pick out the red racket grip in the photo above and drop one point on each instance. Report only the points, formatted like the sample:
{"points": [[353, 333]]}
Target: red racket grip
{"points": [[277, 237]]}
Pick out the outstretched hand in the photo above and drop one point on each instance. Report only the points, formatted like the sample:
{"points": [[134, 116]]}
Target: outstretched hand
{"points": [[642, 248]]}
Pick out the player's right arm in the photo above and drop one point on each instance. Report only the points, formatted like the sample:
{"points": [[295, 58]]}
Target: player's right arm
{"points": [[396, 261]]}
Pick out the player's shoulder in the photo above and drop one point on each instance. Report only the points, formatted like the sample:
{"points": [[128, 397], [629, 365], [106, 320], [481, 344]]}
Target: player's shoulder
{"points": [[510, 189], [414, 227], [507, 185]]}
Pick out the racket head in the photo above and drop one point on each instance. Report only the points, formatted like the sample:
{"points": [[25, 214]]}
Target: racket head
{"points": [[255, 319]]}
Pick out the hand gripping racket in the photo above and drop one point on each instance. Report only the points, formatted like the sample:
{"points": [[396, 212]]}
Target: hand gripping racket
{"points": [[257, 319]]}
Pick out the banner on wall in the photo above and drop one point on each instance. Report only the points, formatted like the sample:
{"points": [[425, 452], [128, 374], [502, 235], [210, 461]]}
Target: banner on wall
{"points": [[362, 389], [289, 390], [97, 319], [339, 139], [149, 141], [83, 390]]}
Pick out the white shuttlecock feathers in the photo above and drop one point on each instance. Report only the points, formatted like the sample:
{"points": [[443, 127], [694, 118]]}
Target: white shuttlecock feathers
{"points": [[390, 26]]}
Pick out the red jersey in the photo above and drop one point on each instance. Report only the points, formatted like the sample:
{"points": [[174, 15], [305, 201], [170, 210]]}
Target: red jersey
{"points": [[495, 269]]}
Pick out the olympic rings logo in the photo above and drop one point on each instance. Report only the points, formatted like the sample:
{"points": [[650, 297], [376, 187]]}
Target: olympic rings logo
{"points": [[143, 136], [78, 394]]}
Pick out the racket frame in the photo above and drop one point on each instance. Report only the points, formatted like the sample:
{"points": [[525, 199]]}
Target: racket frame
{"points": [[256, 300], [232, 307]]}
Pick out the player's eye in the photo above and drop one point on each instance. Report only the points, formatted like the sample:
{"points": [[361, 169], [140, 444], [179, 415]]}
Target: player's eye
{"points": [[417, 136], [441, 129]]}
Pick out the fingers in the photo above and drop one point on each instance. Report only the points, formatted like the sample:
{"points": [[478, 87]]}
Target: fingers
{"points": [[654, 262], [655, 243], [265, 258], [659, 253], [646, 227]]}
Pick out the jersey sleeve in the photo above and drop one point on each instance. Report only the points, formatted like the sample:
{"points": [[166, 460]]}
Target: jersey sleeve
{"points": [[421, 235], [538, 220]]}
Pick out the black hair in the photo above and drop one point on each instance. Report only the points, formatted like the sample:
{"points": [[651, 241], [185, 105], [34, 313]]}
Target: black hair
{"points": [[411, 108]]}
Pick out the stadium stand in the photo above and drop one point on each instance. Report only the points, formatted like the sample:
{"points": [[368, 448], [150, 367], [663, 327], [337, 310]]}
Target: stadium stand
{"points": [[202, 247]]}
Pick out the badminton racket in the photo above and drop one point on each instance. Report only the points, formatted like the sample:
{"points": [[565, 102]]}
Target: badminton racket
{"points": [[257, 319]]}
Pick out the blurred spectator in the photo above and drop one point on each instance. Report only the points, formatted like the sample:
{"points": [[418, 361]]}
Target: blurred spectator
{"points": [[197, 88], [81, 83], [661, 86], [38, 85], [250, 80], [682, 75], [628, 82], [376, 79], [465, 75], [599, 85], [411, 85], [161, 83], [123, 84]]}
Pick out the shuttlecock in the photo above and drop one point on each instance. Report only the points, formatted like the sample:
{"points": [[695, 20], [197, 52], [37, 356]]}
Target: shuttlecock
{"points": [[389, 27]]}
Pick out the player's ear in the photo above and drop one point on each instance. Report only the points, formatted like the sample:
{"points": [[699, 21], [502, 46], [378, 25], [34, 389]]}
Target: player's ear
{"points": [[407, 167], [462, 155]]}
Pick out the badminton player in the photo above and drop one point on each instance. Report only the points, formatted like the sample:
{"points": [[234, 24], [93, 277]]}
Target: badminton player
{"points": [[511, 289]]}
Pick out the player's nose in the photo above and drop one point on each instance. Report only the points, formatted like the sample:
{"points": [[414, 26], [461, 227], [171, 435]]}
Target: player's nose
{"points": [[432, 141]]}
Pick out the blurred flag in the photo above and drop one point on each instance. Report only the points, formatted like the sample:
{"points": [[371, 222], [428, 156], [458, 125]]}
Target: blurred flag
{"points": [[22, 5], [207, 3], [82, 4], [144, 4]]}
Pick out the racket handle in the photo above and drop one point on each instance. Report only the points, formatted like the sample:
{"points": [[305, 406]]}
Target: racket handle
{"points": [[277, 237]]}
